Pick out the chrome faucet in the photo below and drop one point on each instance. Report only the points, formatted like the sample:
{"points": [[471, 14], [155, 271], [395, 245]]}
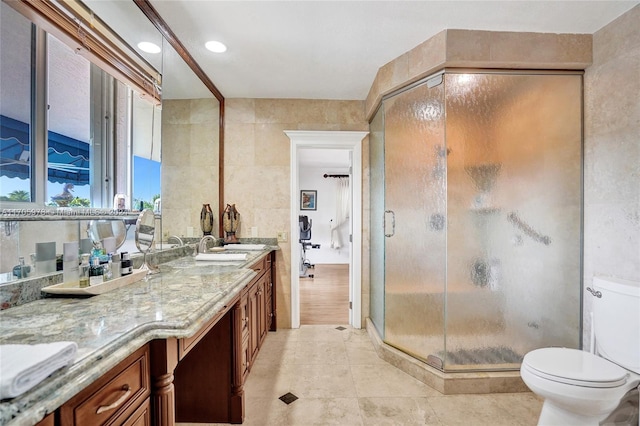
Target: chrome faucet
{"points": [[175, 237], [202, 247]]}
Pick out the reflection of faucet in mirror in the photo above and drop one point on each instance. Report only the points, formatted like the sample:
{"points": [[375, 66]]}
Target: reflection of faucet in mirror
{"points": [[202, 247], [175, 237]]}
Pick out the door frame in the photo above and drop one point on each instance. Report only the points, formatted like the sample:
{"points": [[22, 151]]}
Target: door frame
{"points": [[351, 141]]}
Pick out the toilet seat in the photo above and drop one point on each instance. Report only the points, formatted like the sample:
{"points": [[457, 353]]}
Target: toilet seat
{"points": [[574, 367]]}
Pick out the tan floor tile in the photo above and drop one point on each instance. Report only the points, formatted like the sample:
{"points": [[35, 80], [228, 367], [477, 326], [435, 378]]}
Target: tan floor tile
{"points": [[324, 411], [362, 352], [320, 333], [397, 411], [265, 411], [267, 381], [290, 334], [277, 352], [383, 380], [322, 381], [525, 406], [321, 352], [476, 410]]}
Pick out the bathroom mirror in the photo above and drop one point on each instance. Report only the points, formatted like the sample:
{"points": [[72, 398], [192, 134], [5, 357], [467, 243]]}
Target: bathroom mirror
{"points": [[101, 229], [145, 232]]}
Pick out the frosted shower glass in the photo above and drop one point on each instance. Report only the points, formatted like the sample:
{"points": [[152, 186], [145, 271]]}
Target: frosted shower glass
{"points": [[376, 167], [514, 209], [415, 219]]}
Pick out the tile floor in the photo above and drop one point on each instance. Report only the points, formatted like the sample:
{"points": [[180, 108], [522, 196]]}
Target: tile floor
{"points": [[339, 380]]}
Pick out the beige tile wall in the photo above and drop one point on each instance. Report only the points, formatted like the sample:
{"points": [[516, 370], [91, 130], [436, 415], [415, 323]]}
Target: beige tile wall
{"points": [[480, 49], [257, 171], [612, 156], [190, 157]]}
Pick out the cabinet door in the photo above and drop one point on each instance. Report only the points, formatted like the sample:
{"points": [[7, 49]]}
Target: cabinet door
{"points": [[262, 311], [268, 303], [254, 331], [245, 365]]}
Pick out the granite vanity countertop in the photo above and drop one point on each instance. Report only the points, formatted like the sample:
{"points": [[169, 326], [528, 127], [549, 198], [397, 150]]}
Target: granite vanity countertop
{"points": [[177, 302]]}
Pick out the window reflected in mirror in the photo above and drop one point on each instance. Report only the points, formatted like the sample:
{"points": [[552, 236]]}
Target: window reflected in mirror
{"points": [[69, 146], [15, 108], [146, 136]]}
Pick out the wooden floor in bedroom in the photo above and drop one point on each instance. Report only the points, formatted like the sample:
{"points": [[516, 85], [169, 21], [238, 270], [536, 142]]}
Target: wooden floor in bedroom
{"points": [[324, 299]]}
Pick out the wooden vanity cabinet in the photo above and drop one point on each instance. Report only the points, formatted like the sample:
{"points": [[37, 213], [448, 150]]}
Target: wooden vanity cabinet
{"points": [[195, 379], [260, 304]]}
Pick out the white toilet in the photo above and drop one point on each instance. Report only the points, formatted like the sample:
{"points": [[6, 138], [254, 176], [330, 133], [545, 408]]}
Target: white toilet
{"points": [[581, 388]]}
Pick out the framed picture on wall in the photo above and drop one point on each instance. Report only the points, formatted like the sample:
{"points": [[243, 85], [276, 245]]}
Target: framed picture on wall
{"points": [[308, 200]]}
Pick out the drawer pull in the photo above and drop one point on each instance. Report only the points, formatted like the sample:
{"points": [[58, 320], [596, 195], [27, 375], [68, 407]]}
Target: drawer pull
{"points": [[123, 398]]}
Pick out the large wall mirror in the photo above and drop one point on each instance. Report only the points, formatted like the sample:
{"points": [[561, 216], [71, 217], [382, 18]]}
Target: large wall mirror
{"points": [[163, 156], [190, 126]]}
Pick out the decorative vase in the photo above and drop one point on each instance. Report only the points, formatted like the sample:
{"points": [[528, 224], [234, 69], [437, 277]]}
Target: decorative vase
{"points": [[230, 223], [206, 219]]}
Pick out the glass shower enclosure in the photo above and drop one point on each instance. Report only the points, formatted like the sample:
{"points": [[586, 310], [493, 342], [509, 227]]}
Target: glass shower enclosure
{"points": [[476, 217]]}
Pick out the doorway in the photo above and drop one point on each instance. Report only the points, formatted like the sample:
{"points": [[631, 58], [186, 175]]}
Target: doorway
{"points": [[301, 142]]}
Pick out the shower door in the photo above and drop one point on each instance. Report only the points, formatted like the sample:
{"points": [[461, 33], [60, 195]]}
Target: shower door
{"points": [[514, 216], [415, 219], [376, 167]]}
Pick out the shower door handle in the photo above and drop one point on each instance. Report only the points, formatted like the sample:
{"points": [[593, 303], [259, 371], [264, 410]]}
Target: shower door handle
{"points": [[393, 223]]}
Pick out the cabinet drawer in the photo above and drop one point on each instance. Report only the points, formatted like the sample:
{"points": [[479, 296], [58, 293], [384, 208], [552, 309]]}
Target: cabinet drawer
{"points": [[114, 397], [141, 417], [260, 265]]}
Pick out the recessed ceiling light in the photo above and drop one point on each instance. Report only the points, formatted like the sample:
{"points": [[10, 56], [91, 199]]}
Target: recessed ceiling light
{"points": [[215, 46], [149, 47]]}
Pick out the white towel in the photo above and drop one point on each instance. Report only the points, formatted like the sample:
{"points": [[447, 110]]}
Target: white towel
{"points": [[24, 366], [245, 246], [221, 256]]}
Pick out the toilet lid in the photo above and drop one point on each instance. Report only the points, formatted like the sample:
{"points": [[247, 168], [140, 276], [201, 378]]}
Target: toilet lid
{"points": [[574, 367]]}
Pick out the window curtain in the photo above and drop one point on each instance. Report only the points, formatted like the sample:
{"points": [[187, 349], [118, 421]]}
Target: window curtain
{"points": [[342, 211]]}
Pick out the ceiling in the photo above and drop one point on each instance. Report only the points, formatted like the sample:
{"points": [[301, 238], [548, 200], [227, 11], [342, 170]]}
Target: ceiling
{"points": [[333, 49]]}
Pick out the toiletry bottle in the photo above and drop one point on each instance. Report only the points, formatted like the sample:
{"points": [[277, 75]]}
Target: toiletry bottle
{"points": [[70, 272], [32, 266], [107, 271], [84, 271], [125, 264], [21, 270], [95, 271], [115, 265]]}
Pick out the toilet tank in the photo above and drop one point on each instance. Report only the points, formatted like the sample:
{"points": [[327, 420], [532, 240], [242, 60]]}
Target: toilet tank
{"points": [[616, 321]]}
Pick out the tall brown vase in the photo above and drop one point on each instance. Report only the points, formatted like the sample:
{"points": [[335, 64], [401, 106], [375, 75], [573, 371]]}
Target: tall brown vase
{"points": [[230, 223], [206, 219]]}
